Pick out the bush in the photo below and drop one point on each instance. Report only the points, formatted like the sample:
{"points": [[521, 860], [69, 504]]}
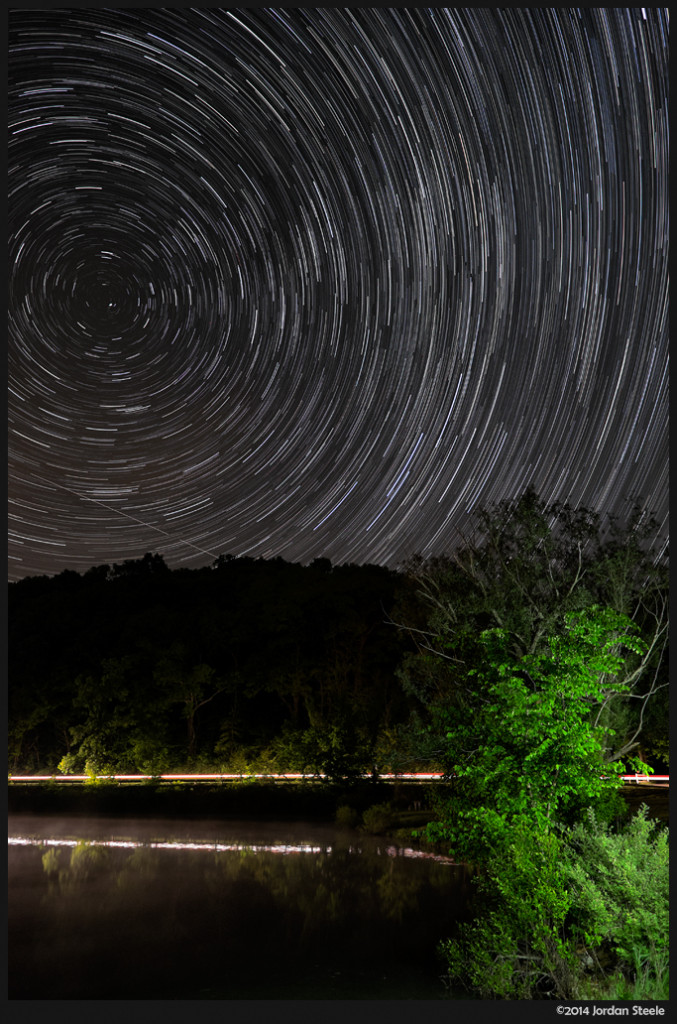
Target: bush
{"points": [[150, 757], [580, 915], [71, 764], [621, 890], [377, 818], [347, 817], [515, 947], [529, 746]]}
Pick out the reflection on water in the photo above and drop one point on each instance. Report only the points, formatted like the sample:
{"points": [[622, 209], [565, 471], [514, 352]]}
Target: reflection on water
{"points": [[129, 844], [223, 910]]}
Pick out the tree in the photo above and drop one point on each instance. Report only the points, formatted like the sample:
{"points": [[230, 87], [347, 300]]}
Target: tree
{"points": [[191, 687], [532, 748], [526, 567], [110, 719], [527, 754], [149, 565], [339, 749]]}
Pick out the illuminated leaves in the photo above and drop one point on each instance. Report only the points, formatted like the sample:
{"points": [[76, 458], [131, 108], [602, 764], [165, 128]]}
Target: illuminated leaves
{"points": [[529, 748]]}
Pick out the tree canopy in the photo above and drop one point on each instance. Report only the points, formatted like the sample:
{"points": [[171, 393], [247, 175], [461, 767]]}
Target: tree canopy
{"points": [[528, 567]]}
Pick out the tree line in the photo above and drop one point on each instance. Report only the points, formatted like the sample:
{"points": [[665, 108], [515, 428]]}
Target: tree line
{"points": [[244, 663], [265, 664]]}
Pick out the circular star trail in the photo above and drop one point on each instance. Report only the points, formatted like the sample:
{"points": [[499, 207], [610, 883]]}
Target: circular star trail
{"points": [[317, 282]]}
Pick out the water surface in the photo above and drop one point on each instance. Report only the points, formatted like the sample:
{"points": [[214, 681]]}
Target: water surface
{"points": [[103, 909]]}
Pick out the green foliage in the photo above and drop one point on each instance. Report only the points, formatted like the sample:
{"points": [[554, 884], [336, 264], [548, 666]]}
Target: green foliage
{"points": [[558, 904], [540, 662], [119, 720], [656, 740], [650, 984], [659, 748], [529, 567], [377, 818], [338, 749], [71, 764], [98, 770], [620, 886], [125, 663], [235, 759], [387, 756], [531, 750], [347, 817], [516, 947], [150, 756], [579, 915], [291, 749]]}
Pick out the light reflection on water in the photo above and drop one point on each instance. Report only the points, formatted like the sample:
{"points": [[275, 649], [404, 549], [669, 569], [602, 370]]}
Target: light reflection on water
{"points": [[284, 848], [100, 909]]}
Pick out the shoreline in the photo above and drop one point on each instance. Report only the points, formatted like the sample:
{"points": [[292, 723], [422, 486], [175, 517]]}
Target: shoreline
{"points": [[254, 799]]}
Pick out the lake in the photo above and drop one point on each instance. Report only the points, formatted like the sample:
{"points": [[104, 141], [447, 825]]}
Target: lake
{"points": [[105, 909]]}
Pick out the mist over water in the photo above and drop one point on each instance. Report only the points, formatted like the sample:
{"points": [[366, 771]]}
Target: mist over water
{"points": [[136, 909]]}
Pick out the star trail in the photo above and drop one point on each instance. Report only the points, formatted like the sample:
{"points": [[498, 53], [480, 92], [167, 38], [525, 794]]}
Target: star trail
{"points": [[316, 282]]}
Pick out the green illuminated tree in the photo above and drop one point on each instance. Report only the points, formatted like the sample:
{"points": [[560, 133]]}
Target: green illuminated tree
{"points": [[527, 567], [527, 745]]}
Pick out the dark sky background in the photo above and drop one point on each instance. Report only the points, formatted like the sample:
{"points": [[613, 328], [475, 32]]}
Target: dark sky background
{"points": [[317, 282]]}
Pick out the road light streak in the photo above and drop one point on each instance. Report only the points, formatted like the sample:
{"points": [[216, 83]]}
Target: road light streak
{"points": [[269, 776]]}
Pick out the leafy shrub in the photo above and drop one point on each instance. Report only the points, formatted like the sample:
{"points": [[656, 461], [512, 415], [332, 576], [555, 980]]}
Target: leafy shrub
{"points": [[71, 764], [150, 757], [98, 766], [377, 818], [515, 947], [347, 817], [580, 915], [648, 984], [621, 890]]}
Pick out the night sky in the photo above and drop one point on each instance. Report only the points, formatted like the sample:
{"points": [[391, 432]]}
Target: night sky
{"points": [[309, 282]]}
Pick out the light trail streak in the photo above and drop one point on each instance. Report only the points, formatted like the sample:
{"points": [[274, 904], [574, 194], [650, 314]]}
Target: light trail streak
{"points": [[290, 777]]}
